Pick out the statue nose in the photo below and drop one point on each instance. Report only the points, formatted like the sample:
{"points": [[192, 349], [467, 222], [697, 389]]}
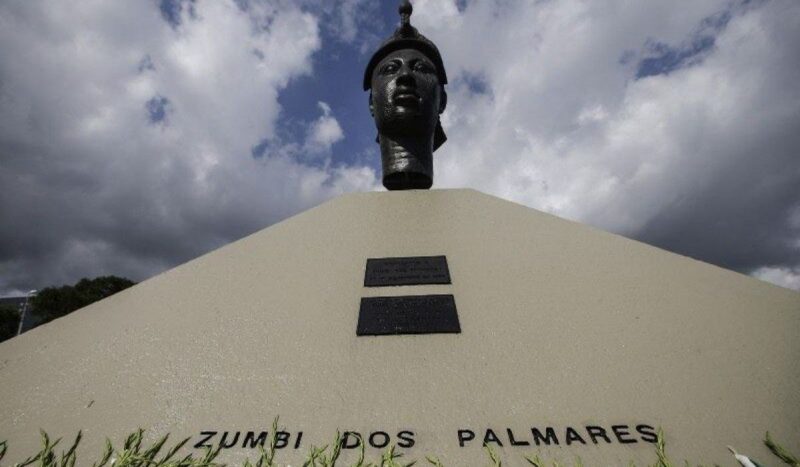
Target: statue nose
{"points": [[405, 77]]}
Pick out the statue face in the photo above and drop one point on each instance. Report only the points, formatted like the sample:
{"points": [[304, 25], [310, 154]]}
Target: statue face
{"points": [[406, 95]]}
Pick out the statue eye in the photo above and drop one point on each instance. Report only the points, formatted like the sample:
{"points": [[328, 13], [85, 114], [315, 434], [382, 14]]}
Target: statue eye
{"points": [[423, 67], [390, 67]]}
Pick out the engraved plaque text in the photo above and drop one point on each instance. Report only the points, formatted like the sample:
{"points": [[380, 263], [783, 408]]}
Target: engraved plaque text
{"points": [[417, 270], [414, 314]]}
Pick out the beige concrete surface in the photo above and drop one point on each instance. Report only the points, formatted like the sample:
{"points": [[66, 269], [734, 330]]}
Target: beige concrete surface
{"points": [[562, 326]]}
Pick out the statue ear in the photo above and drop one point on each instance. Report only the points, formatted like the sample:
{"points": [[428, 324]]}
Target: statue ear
{"points": [[442, 100], [371, 104], [372, 112]]}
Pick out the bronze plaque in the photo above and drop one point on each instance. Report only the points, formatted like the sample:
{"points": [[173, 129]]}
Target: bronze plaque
{"points": [[413, 314], [416, 270]]}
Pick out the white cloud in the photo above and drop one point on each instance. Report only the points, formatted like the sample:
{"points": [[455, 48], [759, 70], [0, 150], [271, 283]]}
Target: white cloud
{"points": [[126, 143], [324, 132], [701, 160], [784, 277]]}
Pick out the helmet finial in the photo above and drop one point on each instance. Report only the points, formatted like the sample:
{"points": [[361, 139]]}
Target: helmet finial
{"points": [[405, 10]]}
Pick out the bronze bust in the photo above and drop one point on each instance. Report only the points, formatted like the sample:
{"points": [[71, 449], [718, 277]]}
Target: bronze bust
{"points": [[406, 79]]}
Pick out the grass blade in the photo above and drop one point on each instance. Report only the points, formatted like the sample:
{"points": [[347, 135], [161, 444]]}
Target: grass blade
{"points": [[781, 452]]}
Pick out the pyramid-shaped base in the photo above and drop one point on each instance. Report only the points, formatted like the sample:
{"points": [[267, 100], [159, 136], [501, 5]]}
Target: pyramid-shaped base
{"points": [[566, 334]]}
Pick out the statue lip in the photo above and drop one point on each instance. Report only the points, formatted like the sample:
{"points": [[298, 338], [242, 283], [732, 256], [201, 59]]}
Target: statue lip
{"points": [[405, 96]]}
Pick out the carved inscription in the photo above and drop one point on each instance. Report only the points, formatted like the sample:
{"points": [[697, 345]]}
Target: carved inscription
{"points": [[522, 436], [417, 270], [414, 314]]}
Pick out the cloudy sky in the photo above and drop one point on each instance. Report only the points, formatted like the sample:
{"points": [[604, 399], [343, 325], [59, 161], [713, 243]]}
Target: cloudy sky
{"points": [[138, 134]]}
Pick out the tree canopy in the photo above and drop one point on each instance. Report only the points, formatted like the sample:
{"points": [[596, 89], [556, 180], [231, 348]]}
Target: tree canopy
{"points": [[53, 302], [9, 322]]}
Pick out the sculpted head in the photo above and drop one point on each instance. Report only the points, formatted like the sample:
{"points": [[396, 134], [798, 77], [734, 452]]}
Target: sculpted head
{"points": [[406, 97], [406, 81]]}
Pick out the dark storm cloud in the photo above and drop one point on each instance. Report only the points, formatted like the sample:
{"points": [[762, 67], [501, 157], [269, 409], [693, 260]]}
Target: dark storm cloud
{"points": [[745, 217]]}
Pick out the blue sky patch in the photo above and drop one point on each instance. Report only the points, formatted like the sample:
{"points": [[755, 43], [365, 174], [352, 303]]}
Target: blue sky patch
{"points": [[157, 109], [336, 80], [476, 83], [662, 58], [259, 149], [171, 10], [666, 59], [146, 64]]}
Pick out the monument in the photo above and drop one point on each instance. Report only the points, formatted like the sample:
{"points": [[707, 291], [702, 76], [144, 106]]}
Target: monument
{"points": [[438, 322], [406, 79]]}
